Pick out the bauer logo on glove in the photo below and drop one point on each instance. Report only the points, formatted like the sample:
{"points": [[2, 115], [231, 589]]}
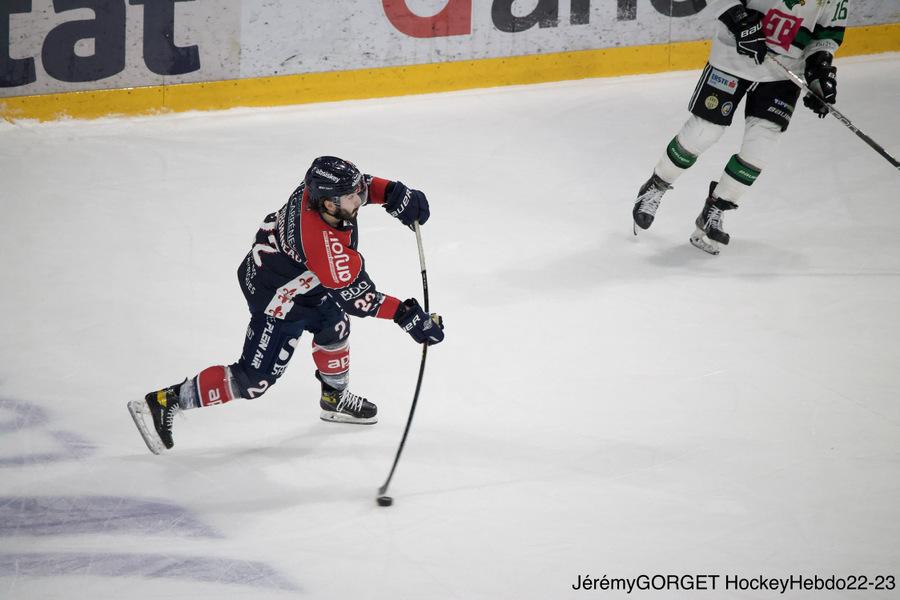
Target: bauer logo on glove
{"points": [[423, 328], [406, 204]]}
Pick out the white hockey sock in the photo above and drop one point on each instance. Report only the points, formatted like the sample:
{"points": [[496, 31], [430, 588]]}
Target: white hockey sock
{"points": [[745, 167]]}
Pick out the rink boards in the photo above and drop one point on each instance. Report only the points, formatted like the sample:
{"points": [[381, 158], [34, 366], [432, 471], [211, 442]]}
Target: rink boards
{"points": [[198, 55]]}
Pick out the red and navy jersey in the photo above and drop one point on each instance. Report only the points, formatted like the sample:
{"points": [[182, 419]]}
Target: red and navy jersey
{"points": [[297, 258]]}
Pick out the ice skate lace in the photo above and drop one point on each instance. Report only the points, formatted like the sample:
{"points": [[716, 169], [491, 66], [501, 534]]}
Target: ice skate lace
{"points": [[714, 218], [351, 401], [169, 416], [650, 200]]}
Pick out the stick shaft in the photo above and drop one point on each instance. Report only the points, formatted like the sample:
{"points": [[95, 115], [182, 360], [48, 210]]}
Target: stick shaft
{"points": [[836, 113], [422, 267], [412, 408]]}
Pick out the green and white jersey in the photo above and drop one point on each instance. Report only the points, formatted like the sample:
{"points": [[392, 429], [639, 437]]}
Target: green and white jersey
{"points": [[794, 29]]}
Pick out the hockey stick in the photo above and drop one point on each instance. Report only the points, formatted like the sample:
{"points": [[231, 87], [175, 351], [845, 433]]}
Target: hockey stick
{"points": [[382, 499], [837, 114]]}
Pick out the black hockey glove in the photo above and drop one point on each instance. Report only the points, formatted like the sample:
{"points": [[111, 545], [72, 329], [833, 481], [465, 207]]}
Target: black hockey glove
{"points": [[406, 204], [425, 329], [747, 28], [821, 77]]}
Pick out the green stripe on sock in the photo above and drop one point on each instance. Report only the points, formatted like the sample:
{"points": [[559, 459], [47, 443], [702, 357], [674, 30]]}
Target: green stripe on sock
{"points": [[740, 171], [678, 155]]}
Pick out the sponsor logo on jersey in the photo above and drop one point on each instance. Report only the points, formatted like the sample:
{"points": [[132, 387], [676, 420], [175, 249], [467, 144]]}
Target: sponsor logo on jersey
{"points": [[338, 260], [264, 340], [257, 359], [250, 273], [723, 81], [727, 108], [354, 290], [781, 28], [266, 336], [288, 232], [284, 355], [711, 102]]}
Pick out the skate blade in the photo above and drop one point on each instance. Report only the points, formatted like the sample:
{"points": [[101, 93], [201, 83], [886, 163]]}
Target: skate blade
{"points": [[336, 417], [635, 228], [699, 240], [139, 410]]}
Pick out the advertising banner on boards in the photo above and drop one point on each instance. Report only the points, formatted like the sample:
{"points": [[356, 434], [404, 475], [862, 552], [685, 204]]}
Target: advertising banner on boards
{"points": [[52, 46]]}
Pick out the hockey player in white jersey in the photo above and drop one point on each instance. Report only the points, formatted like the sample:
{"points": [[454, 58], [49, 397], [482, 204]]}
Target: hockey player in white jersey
{"points": [[804, 34]]}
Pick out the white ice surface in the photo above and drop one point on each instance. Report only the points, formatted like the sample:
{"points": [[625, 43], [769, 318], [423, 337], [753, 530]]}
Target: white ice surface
{"points": [[602, 405]]}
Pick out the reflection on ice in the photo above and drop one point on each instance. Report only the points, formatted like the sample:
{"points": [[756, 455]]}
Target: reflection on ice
{"points": [[68, 515], [171, 566]]}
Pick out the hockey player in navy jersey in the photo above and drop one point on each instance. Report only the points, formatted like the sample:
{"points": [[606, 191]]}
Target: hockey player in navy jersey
{"points": [[804, 34], [304, 273]]}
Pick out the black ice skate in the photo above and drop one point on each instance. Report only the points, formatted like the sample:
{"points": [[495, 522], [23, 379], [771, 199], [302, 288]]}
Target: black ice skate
{"points": [[343, 406], [161, 407], [647, 202], [709, 233]]}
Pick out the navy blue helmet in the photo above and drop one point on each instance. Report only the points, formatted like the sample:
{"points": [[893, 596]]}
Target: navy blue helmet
{"points": [[330, 177]]}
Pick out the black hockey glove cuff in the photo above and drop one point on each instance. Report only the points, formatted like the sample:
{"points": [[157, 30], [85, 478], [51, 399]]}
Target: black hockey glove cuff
{"points": [[821, 77], [423, 328], [747, 28], [406, 204]]}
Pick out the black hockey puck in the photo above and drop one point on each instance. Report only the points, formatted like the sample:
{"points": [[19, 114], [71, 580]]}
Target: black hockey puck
{"points": [[385, 501]]}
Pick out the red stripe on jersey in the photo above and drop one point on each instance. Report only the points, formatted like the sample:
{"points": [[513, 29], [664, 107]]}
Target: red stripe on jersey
{"points": [[378, 190], [388, 308], [328, 252]]}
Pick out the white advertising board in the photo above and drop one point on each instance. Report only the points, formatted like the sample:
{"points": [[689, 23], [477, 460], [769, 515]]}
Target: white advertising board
{"points": [[49, 46]]}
